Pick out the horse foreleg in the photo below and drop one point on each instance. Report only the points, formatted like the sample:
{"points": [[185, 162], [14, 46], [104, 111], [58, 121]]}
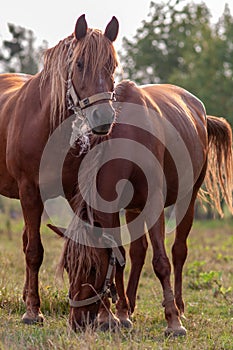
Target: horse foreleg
{"points": [[162, 269], [122, 305], [25, 242], [32, 210], [137, 253]]}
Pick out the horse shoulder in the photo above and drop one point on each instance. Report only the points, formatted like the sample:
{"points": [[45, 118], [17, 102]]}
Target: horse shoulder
{"points": [[26, 127]]}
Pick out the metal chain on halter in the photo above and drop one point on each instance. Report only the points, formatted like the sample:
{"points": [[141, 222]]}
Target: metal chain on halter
{"points": [[80, 132]]}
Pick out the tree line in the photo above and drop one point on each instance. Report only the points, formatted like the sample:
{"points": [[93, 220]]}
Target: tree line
{"points": [[20, 53], [180, 45]]}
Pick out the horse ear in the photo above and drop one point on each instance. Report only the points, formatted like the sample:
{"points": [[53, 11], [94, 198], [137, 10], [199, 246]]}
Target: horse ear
{"points": [[59, 230], [112, 28], [80, 27]]}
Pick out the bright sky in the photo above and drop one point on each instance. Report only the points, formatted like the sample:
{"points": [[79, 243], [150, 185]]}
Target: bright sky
{"points": [[53, 20]]}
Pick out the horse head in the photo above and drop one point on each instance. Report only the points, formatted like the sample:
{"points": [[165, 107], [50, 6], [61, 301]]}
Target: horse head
{"points": [[79, 71], [91, 271], [93, 61]]}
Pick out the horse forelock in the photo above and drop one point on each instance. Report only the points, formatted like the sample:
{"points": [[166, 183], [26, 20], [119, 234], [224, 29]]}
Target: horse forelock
{"points": [[78, 259], [97, 53]]}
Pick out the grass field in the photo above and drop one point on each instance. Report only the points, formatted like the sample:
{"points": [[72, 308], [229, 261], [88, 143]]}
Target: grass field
{"points": [[208, 293]]}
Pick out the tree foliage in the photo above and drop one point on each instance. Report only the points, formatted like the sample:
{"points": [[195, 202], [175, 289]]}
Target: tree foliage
{"points": [[180, 45], [19, 54]]}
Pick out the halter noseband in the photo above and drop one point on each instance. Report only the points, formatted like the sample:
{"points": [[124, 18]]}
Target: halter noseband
{"points": [[88, 101], [108, 287]]}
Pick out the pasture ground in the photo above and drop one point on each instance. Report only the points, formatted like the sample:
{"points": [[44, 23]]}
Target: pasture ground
{"points": [[208, 293]]}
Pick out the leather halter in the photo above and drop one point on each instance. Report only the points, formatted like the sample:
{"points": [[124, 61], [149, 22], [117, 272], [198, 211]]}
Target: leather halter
{"points": [[88, 101], [107, 287]]}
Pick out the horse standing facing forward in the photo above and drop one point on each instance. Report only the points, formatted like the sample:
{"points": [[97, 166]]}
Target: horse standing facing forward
{"points": [[77, 79], [158, 153]]}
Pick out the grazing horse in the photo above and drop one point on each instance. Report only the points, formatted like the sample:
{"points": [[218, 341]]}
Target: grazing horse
{"points": [[77, 79], [158, 153]]}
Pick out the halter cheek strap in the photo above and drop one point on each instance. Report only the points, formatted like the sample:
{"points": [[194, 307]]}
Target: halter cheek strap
{"points": [[105, 289], [108, 288]]}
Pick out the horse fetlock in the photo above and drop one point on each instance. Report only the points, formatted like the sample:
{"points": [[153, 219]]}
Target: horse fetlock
{"points": [[173, 318]]}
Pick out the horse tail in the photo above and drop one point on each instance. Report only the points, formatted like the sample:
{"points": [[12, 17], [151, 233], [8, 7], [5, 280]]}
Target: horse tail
{"points": [[218, 179]]}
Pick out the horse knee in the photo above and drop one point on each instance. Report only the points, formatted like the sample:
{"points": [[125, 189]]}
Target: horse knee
{"points": [[161, 266], [138, 251], [34, 257]]}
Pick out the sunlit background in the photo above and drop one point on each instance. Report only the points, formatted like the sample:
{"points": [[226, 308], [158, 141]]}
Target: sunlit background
{"points": [[55, 20]]}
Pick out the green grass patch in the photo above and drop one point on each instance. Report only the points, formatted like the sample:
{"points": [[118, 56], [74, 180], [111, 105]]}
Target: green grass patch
{"points": [[207, 280]]}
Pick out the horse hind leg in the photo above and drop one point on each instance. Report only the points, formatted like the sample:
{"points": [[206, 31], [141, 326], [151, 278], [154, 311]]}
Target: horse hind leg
{"points": [[184, 219], [179, 254], [162, 269]]}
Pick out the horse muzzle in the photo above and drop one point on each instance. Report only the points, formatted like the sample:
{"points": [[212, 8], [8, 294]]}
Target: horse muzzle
{"points": [[100, 118]]}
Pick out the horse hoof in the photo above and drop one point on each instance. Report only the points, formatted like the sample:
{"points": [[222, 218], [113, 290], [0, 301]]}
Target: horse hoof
{"points": [[33, 319], [126, 323], [179, 332], [111, 325]]}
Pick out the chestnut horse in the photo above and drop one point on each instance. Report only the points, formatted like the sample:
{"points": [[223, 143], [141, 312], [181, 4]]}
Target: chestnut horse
{"points": [[158, 153], [77, 79]]}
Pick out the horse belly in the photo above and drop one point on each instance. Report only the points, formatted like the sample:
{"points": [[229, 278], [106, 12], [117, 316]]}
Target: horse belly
{"points": [[8, 185]]}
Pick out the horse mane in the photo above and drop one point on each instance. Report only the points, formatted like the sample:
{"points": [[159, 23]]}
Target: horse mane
{"points": [[80, 251], [96, 50], [123, 90]]}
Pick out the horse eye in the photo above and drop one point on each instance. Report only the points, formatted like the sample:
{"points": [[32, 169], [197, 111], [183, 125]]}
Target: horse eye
{"points": [[80, 65]]}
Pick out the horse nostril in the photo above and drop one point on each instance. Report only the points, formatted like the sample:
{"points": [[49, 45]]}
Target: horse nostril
{"points": [[102, 129]]}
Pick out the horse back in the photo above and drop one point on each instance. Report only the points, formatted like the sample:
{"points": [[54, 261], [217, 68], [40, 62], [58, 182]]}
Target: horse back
{"points": [[187, 143]]}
